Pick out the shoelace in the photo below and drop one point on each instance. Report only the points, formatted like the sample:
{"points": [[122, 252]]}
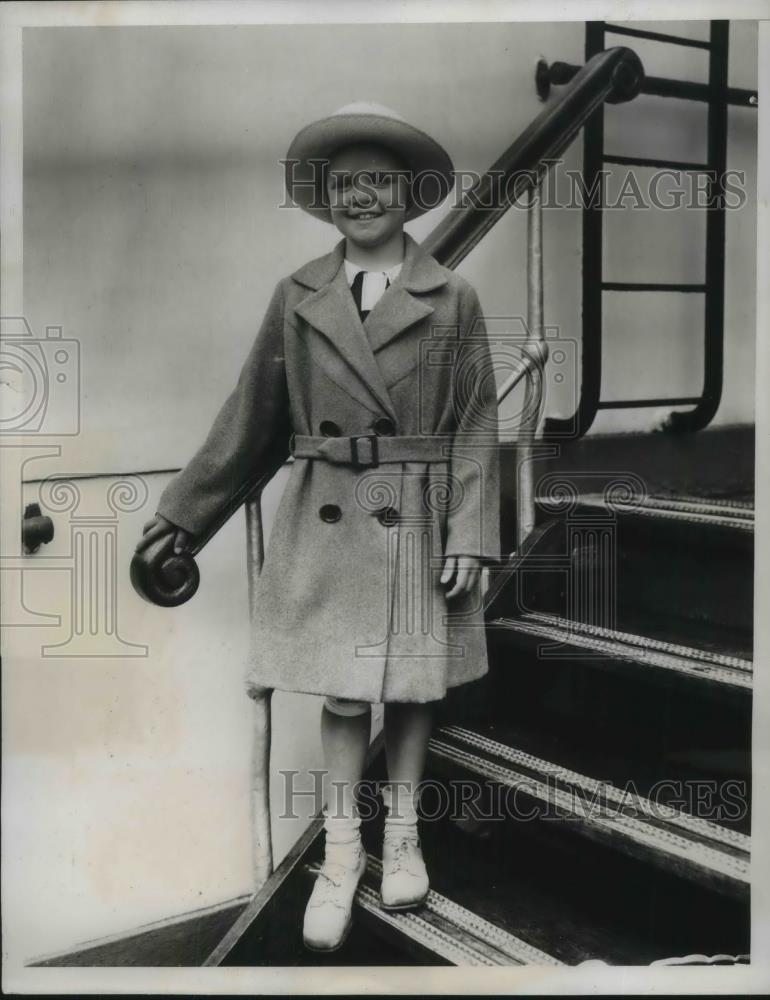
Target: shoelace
{"points": [[326, 888], [403, 845], [333, 871]]}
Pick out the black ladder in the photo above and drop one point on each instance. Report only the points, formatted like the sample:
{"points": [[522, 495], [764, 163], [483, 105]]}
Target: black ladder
{"points": [[717, 95]]}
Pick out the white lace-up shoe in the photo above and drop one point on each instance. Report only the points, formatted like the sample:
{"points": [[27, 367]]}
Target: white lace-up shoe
{"points": [[404, 877], [329, 912]]}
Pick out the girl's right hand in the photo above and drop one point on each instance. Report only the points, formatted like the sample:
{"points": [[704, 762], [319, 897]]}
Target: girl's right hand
{"points": [[159, 526]]}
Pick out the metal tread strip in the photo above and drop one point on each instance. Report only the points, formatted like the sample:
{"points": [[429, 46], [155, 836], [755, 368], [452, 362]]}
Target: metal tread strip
{"points": [[743, 508], [661, 811], [656, 839], [437, 935], [732, 514], [510, 946], [691, 517], [701, 671], [691, 662], [646, 642], [741, 524], [700, 499], [732, 508], [729, 514], [419, 929]]}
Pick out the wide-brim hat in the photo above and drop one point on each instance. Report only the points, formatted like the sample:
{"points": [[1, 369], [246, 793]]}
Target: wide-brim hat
{"points": [[429, 163]]}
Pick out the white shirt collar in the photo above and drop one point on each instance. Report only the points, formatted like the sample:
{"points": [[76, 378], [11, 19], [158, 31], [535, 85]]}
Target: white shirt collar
{"points": [[351, 270], [374, 283]]}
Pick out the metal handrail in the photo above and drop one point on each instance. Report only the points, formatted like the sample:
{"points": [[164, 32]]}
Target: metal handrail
{"points": [[614, 75], [558, 73]]}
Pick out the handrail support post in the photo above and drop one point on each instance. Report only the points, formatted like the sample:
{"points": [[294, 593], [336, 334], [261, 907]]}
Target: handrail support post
{"points": [[261, 832], [536, 351]]}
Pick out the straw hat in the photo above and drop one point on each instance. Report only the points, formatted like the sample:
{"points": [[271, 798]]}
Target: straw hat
{"points": [[430, 164]]}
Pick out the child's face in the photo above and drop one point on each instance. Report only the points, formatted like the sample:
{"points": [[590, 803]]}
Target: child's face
{"points": [[368, 189]]}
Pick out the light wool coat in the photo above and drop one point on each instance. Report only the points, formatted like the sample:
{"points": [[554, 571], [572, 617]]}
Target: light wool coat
{"points": [[349, 602]]}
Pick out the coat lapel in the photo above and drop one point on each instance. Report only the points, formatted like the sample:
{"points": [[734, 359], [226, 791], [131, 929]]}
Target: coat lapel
{"points": [[330, 309], [343, 350], [398, 309]]}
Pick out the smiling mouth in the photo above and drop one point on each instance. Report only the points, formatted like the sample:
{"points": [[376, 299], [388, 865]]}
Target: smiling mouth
{"points": [[365, 216]]}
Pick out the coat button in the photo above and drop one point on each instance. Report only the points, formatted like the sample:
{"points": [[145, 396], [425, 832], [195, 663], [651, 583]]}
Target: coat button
{"points": [[330, 513], [388, 516], [384, 426], [329, 429]]}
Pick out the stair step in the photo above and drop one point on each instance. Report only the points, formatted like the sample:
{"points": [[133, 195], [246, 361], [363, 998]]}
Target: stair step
{"points": [[511, 893], [680, 556], [685, 844], [726, 513], [447, 929], [703, 665]]}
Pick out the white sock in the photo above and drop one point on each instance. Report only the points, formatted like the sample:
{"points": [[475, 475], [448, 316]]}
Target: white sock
{"points": [[342, 829], [400, 805]]}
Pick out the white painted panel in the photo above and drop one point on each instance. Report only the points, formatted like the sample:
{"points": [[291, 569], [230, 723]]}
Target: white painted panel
{"points": [[126, 768]]}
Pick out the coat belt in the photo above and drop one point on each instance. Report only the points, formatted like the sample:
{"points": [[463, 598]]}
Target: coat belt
{"points": [[367, 451]]}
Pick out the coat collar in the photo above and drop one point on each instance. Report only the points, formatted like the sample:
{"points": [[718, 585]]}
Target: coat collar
{"points": [[331, 310], [420, 273]]}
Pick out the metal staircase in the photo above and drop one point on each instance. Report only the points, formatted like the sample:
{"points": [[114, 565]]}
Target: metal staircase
{"points": [[603, 764], [603, 775]]}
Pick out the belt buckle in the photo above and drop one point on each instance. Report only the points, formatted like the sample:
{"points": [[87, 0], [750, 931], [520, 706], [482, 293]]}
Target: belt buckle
{"points": [[354, 455]]}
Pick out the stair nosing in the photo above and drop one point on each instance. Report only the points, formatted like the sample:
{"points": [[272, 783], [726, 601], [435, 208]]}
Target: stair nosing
{"points": [[722, 513], [669, 814], [699, 664], [503, 941], [643, 834], [493, 938]]}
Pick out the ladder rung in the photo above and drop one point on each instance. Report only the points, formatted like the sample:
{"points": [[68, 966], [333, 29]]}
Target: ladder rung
{"points": [[641, 161], [689, 90], [627, 404], [649, 286], [657, 36]]}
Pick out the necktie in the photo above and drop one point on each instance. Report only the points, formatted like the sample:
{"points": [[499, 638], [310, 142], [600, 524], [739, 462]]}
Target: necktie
{"points": [[357, 290]]}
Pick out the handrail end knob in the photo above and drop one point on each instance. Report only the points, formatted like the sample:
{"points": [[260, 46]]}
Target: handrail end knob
{"points": [[162, 577], [627, 77]]}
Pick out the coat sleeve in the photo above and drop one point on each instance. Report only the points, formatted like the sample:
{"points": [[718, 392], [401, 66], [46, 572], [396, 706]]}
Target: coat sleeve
{"points": [[248, 441], [473, 520]]}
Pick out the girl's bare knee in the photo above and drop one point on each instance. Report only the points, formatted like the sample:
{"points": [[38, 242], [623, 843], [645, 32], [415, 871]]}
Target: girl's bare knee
{"points": [[346, 706]]}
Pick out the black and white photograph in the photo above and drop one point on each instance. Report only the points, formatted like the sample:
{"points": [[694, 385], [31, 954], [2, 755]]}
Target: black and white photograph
{"points": [[383, 421]]}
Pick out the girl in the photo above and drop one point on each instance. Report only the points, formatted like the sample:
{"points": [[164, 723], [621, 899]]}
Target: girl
{"points": [[372, 369]]}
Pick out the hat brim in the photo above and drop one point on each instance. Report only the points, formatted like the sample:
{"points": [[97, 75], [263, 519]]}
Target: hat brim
{"points": [[429, 163]]}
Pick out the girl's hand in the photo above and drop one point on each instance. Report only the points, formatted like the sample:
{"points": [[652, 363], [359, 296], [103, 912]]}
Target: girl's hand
{"points": [[159, 526], [465, 570]]}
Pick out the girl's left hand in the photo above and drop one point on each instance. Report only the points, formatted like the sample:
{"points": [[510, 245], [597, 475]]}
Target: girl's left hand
{"points": [[465, 569]]}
